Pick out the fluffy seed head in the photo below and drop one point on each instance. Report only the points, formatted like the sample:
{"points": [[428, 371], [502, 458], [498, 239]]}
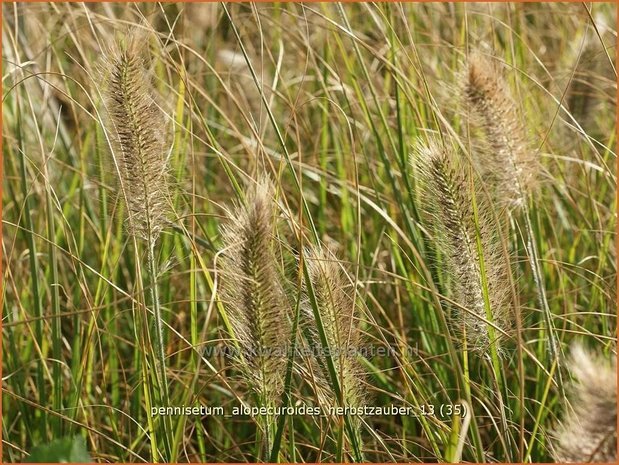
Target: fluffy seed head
{"points": [[508, 165], [589, 430], [253, 295], [336, 306], [138, 131], [448, 203]]}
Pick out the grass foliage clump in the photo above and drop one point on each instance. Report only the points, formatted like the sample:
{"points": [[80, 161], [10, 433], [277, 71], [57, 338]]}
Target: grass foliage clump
{"points": [[229, 226]]}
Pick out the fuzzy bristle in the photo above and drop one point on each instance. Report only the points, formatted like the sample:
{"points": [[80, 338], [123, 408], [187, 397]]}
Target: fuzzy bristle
{"points": [[508, 165], [336, 306], [253, 295], [448, 202], [139, 135], [589, 430]]}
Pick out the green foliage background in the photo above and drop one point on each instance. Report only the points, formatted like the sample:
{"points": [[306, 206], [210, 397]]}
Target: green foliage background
{"points": [[328, 99]]}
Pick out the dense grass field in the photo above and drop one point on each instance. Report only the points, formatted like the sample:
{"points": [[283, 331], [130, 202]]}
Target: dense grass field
{"points": [[431, 185]]}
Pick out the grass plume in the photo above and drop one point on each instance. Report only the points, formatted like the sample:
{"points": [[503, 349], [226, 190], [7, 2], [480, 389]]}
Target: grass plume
{"points": [[509, 165], [254, 297], [589, 430], [342, 335], [139, 133], [139, 136], [467, 246]]}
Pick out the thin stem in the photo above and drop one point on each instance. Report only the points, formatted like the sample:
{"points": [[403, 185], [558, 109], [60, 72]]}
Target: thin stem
{"points": [[531, 246], [159, 344], [160, 370]]}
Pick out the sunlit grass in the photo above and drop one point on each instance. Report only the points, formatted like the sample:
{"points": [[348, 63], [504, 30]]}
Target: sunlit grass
{"points": [[328, 100]]}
